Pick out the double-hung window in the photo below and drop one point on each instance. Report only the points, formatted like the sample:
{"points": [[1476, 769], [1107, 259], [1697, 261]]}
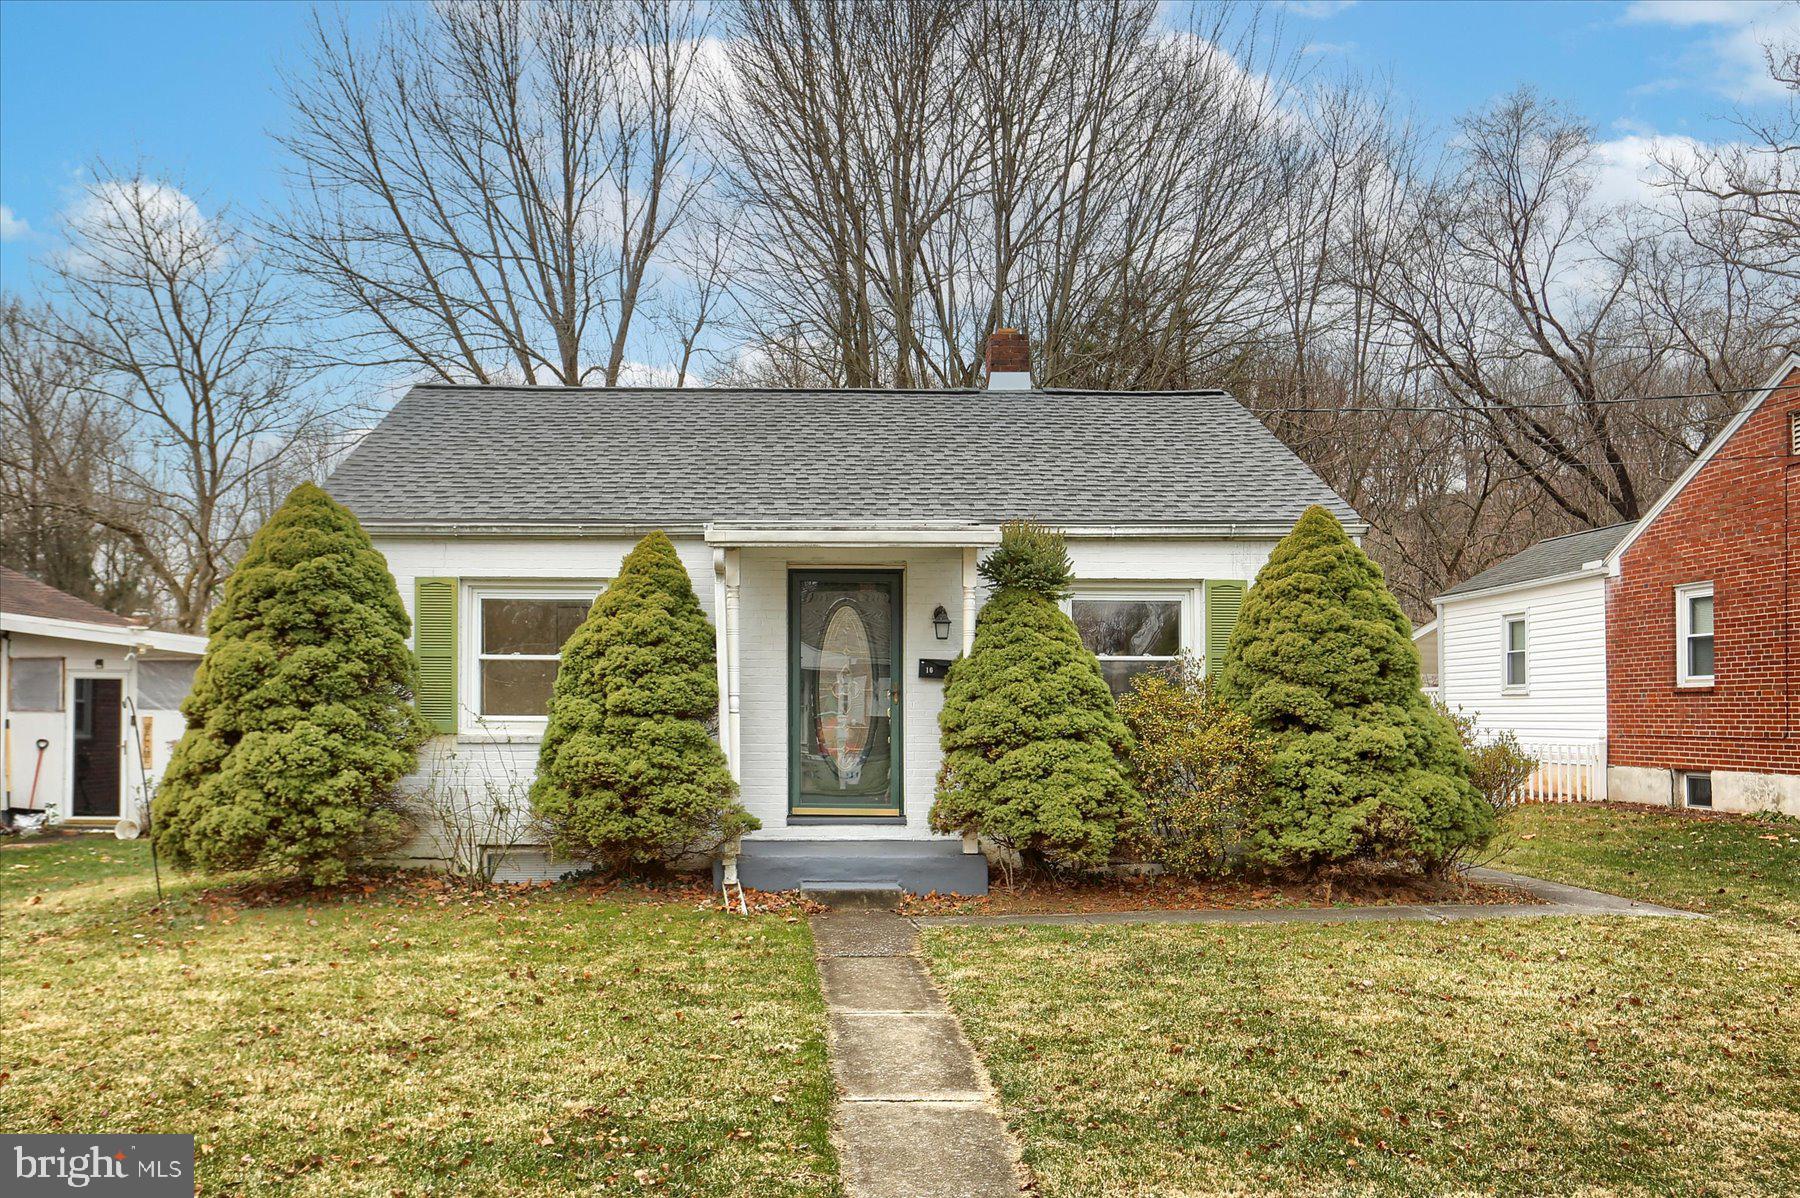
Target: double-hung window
{"points": [[1133, 631], [1694, 634], [1515, 646], [519, 635]]}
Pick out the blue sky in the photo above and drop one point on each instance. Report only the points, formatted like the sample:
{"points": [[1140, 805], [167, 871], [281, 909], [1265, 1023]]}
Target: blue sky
{"points": [[192, 88]]}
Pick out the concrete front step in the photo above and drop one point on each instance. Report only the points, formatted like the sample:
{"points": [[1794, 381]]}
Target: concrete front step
{"points": [[914, 866]]}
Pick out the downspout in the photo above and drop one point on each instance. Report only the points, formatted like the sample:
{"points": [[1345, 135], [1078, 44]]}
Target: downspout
{"points": [[1437, 608], [721, 649], [968, 599], [6, 745], [733, 585]]}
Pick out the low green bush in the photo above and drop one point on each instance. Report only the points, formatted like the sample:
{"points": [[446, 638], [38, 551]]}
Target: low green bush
{"points": [[1201, 768], [1498, 765]]}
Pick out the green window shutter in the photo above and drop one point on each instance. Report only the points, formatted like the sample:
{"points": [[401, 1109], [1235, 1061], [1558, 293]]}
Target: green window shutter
{"points": [[1224, 600], [434, 644]]}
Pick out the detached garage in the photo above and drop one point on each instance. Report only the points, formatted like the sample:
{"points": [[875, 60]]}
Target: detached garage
{"points": [[89, 704]]}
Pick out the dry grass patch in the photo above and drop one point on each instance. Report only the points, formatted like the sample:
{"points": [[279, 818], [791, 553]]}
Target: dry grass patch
{"points": [[1742, 866], [1553, 1056], [412, 1041]]}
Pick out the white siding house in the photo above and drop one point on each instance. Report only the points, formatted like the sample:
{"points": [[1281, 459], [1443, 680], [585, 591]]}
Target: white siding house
{"points": [[1522, 647], [89, 705], [833, 538]]}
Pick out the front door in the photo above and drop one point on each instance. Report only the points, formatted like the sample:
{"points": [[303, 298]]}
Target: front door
{"points": [[844, 693], [97, 726]]}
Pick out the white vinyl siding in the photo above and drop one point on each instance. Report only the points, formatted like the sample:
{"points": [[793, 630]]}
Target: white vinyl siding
{"points": [[1565, 661]]}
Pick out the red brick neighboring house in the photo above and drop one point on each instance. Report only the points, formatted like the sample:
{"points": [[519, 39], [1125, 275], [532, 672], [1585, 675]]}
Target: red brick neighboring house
{"points": [[1703, 624]]}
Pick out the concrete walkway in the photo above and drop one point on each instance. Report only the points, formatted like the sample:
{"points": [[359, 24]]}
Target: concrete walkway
{"points": [[915, 1113], [1553, 899]]}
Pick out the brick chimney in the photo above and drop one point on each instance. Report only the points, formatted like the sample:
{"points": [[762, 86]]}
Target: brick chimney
{"points": [[1008, 361]]}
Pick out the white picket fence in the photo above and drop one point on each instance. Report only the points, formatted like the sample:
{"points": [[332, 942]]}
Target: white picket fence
{"points": [[1565, 773]]}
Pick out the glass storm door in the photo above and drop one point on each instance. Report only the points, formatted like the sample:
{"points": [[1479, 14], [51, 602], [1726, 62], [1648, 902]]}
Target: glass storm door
{"points": [[844, 693]]}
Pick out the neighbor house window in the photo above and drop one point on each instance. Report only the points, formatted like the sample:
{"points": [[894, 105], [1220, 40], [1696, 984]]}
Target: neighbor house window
{"points": [[35, 683], [1794, 433], [519, 640], [1132, 631], [1694, 634], [1516, 641], [1696, 790]]}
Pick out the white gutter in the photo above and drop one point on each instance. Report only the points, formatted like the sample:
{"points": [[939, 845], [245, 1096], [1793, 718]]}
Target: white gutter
{"points": [[103, 634], [1595, 569], [865, 536]]}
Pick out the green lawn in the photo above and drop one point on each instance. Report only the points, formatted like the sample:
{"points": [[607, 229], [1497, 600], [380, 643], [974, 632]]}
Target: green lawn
{"points": [[1546, 1056], [414, 1041], [1743, 867]]}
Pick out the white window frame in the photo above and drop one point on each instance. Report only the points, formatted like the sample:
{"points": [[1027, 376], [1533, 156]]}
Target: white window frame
{"points": [[1187, 594], [1684, 597], [1687, 778], [471, 717], [1507, 685]]}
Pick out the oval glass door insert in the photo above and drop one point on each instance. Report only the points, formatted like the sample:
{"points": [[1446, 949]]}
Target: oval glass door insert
{"points": [[847, 692]]}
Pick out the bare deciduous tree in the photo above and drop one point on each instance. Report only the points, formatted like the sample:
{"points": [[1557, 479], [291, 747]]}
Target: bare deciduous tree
{"points": [[484, 191], [914, 175], [186, 333], [58, 449]]}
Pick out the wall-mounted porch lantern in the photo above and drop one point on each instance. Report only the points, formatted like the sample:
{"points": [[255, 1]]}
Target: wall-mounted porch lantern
{"points": [[940, 623]]}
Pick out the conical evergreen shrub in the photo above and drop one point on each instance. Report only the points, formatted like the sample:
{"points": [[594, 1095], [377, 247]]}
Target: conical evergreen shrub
{"points": [[300, 722], [1322, 660], [629, 771], [1034, 749]]}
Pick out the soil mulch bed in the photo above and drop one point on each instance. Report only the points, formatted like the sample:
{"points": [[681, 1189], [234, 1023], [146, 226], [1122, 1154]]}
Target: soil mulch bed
{"points": [[1047, 896]]}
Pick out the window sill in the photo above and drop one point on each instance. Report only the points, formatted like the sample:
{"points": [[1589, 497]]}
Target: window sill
{"points": [[1697, 684], [517, 737], [1515, 692]]}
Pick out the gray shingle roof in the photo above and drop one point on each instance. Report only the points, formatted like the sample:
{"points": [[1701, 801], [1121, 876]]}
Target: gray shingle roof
{"points": [[1547, 559], [667, 457]]}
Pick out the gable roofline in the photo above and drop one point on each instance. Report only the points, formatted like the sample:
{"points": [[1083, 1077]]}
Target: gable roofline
{"points": [[1543, 562], [1593, 569], [543, 461], [1788, 367], [709, 530]]}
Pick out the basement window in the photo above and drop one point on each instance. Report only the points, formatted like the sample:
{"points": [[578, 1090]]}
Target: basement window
{"points": [[1696, 790]]}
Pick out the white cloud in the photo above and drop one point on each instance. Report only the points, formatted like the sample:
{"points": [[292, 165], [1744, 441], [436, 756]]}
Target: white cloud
{"points": [[1318, 10], [1626, 170], [12, 227], [647, 374], [1731, 34], [115, 220]]}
